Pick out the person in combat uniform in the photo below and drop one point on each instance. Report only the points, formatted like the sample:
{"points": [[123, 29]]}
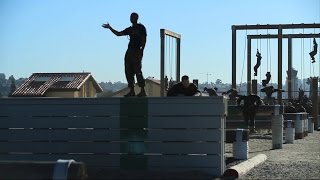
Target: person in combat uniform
{"points": [[133, 57], [183, 88], [250, 103]]}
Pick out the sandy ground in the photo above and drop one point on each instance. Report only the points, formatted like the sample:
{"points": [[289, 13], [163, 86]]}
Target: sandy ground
{"points": [[300, 160]]}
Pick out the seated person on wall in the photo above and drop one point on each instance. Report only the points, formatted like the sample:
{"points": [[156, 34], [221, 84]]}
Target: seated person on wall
{"points": [[183, 88]]}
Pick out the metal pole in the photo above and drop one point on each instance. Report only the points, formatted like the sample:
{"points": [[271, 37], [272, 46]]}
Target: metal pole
{"points": [[289, 68], [162, 55], [249, 67], [279, 64], [234, 57]]}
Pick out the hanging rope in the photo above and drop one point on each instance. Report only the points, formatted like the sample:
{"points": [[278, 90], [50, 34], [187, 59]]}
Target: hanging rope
{"points": [[301, 61], [244, 57], [260, 53], [314, 31], [267, 52], [170, 58], [310, 61], [304, 86], [270, 67], [166, 57]]}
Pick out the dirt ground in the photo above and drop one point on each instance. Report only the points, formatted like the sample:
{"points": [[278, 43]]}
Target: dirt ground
{"points": [[300, 160]]}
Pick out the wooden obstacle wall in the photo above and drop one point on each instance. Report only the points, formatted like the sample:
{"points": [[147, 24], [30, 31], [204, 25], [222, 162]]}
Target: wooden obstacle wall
{"points": [[262, 120], [146, 134]]}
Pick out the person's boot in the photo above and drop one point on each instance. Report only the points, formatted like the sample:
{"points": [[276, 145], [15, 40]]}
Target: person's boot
{"points": [[252, 130], [142, 93], [130, 93]]}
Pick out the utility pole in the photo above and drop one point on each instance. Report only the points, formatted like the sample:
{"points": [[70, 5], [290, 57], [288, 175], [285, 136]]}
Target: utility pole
{"points": [[208, 74]]}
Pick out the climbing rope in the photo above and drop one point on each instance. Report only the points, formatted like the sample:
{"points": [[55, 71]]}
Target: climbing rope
{"points": [[269, 59]]}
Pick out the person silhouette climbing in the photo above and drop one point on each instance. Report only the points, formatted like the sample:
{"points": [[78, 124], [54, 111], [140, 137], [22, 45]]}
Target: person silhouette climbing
{"points": [[315, 50], [266, 81], [255, 68]]}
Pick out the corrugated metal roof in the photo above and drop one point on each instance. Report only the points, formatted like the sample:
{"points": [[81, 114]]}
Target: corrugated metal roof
{"points": [[39, 83]]}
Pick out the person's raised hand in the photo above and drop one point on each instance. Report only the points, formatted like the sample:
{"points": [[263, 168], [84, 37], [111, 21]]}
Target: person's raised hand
{"points": [[106, 26]]}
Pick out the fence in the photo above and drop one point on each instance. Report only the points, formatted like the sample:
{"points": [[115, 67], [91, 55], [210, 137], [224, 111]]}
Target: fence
{"points": [[144, 134]]}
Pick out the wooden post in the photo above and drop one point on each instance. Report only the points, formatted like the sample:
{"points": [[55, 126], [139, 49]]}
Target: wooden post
{"points": [[234, 57], [178, 59], [163, 33], [279, 64], [254, 86], [289, 68], [162, 55], [314, 98], [249, 67]]}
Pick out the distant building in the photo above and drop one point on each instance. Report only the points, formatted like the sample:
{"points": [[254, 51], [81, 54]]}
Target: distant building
{"points": [[68, 85], [152, 88], [295, 83]]}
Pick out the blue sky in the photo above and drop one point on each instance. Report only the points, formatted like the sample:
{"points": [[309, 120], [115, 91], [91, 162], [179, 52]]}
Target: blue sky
{"points": [[66, 36]]}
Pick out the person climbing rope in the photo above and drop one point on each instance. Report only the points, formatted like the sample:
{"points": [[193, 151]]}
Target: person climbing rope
{"points": [[315, 50], [255, 68], [266, 81]]}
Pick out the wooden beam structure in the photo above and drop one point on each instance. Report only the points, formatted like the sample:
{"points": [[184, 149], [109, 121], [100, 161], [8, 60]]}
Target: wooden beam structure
{"points": [[279, 36], [275, 36], [276, 26], [163, 34]]}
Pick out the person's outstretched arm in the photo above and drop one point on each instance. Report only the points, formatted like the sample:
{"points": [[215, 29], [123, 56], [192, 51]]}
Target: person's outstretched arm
{"points": [[115, 32]]}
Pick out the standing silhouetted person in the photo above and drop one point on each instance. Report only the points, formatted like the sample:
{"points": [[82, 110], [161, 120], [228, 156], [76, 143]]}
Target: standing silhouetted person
{"points": [[250, 103], [134, 54]]}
